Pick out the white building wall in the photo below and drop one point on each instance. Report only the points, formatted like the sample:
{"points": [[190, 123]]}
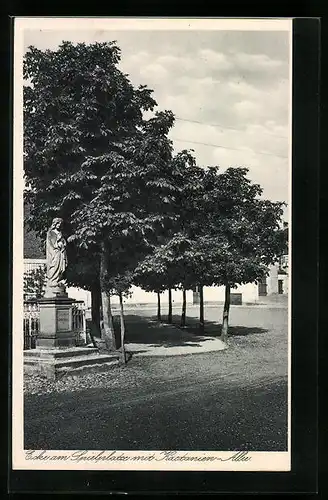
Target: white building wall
{"points": [[249, 293], [272, 281], [286, 283], [79, 294], [211, 294], [139, 296]]}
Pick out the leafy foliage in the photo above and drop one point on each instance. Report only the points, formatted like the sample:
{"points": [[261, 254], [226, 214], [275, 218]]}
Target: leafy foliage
{"points": [[92, 159], [165, 267], [34, 247], [134, 213], [242, 236], [77, 105], [228, 234], [34, 282]]}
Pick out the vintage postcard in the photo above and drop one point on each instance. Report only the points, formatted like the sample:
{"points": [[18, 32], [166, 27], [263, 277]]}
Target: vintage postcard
{"points": [[151, 228]]}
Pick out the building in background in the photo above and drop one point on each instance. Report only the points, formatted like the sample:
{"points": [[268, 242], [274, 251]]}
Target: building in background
{"points": [[277, 281]]}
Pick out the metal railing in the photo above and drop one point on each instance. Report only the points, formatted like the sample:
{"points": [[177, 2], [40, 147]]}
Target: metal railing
{"points": [[79, 323], [31, 322]]}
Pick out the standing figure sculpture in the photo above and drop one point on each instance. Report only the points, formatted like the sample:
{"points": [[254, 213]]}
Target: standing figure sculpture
{"points": [[56, 259]]}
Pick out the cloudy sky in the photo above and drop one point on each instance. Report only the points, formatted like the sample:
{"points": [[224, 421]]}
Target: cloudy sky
{"points": [[229, 91]]}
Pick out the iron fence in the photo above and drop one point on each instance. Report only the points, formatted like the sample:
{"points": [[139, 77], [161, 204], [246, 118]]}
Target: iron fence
{"points": [[79, 323], [31, 324]]}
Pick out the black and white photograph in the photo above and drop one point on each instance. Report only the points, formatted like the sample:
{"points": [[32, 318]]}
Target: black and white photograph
{"points": [[151, 244]]}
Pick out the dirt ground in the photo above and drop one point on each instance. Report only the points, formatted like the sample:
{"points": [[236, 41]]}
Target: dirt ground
{"points": [[231, 399]]}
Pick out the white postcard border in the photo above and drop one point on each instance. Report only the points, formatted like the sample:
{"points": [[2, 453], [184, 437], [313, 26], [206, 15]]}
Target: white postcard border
{"points": [[103, 459]]}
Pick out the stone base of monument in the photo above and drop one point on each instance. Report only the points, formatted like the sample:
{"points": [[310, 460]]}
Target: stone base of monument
{"points": [[56, 322], [57, 363], [56, 353]]}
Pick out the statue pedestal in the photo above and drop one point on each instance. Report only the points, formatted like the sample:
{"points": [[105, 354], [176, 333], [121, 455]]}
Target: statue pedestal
{"points": [[55, 323], [52, 292], [56, 354], [71, 361]]}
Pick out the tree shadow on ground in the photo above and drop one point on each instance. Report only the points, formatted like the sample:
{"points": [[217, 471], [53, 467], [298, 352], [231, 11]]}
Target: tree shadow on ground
{"points": [[145, 330], [213, 329]]}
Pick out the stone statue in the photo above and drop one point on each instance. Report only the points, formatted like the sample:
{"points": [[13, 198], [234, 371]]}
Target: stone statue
{"points": [[56, 259]]}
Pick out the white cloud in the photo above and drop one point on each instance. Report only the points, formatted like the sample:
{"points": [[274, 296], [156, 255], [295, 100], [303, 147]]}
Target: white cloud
{"points": [[137, 59], [180, 64], [246, 108], [153, 73], [259, 62], [215, 60], [243, 88]]}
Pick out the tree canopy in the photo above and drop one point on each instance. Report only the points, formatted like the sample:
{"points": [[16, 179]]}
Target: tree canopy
{"points": [[92, 159], [135, 213], [77, 105]]}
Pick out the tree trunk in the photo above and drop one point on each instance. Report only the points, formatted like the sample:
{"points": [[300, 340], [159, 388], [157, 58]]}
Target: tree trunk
{"points": [[169, 317], [159, 316], [95, 309], [184, 308], [201, 309], [225, 320], [107, 333], [123, 357], [91, 333]]}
